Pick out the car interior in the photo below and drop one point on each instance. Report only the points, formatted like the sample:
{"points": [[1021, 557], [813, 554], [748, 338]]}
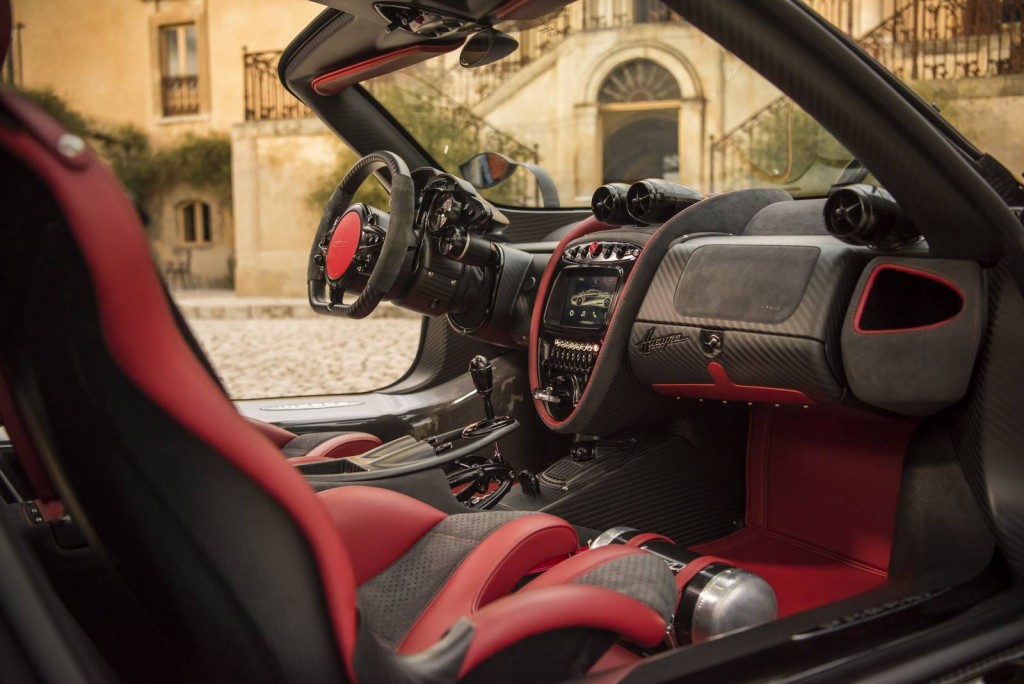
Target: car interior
{"points": [[673, 435]]}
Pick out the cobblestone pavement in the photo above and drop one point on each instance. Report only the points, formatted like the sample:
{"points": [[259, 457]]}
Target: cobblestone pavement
{"points": [[257, 353]]}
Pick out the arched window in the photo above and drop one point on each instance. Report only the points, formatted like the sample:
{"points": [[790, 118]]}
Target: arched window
{"points": [[195, 227], [639, 103], [639, 80]]}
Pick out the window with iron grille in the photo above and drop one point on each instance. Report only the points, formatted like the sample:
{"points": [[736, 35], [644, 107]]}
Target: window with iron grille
{"points": [[179, 80]]}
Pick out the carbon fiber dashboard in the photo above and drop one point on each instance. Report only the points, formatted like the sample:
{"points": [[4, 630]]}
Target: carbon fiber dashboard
{"points": [[747, 318]]}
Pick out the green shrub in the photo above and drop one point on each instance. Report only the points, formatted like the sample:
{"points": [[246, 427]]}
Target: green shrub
{"points": [[203, 162]]}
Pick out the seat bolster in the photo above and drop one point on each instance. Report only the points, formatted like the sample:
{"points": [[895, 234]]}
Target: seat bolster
{"points": [[581, 564], [278, 435], [623, 569], [512, 619], [491, 571], [377, 525], [342, 446]]}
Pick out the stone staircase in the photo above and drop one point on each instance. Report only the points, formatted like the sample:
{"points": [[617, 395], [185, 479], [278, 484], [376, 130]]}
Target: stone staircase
{"points": [[920, 40]]}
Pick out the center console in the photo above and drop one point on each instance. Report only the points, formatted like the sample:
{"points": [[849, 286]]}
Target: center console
{"points": [[578, 309]]}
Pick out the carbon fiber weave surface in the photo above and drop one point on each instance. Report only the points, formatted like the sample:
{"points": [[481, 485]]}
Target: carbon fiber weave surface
{"points": [[800, 352], [986, 427], [688, 493], [608, 394], [749, 358], [818, 315]]}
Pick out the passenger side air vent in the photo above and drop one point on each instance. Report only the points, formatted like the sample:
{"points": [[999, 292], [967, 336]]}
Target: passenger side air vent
{"points": [[655, 201], [866, 215], [609, 204]]}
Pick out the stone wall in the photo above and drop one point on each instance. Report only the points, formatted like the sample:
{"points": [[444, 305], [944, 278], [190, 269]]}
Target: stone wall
{"points": [[275, 166], [103, 56], [569, 125], [986, 110]]}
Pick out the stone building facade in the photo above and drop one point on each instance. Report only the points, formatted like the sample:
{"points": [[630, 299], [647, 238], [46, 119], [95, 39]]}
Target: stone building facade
{"points": [[169, 68], [174, 67]]}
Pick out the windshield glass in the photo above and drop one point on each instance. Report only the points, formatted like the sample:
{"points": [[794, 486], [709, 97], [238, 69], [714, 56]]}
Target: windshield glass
{"points": [[596, 99], [621, 90]]}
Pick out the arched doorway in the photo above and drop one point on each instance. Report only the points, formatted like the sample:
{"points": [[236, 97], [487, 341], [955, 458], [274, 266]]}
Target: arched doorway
{"points": [[639, 102]]}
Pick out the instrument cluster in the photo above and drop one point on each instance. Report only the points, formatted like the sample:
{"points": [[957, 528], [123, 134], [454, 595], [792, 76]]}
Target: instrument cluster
{"points": [[449, 205]]}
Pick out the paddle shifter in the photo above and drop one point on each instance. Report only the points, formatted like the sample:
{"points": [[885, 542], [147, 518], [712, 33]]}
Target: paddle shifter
{"points": [[483, 380]]}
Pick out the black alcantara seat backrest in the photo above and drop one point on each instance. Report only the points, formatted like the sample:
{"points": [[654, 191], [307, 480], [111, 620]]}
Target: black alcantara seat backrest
{"points": [[224, 564]]}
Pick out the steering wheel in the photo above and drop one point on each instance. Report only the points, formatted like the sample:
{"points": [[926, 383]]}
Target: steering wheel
{"points": [[354, 239]]}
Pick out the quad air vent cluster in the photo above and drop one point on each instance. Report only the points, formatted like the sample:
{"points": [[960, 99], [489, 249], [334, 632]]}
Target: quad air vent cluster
{"points": [[645, 202]]}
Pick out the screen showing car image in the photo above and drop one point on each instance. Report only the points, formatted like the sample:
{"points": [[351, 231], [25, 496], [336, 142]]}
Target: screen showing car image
{"points": [[587, 300]]}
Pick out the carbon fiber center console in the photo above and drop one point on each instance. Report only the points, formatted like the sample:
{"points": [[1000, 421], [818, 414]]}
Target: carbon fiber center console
{"points": [[580, 304]]}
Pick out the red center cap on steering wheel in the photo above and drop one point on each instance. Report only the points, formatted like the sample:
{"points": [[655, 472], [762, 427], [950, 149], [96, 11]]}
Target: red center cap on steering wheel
{"points": [[343, 245]]}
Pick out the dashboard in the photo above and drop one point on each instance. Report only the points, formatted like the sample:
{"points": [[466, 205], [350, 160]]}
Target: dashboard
{"points": [[750, 296]]}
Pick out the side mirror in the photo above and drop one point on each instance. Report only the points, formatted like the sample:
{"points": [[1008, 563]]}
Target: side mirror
{"points": [[486, 47], [487, 169]]}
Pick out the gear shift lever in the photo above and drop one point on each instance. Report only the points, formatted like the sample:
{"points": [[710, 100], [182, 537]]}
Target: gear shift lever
{"points": [[483, 380]]}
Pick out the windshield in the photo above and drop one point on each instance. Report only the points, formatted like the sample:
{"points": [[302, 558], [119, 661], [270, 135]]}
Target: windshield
{"points": [[617, 91], [591, 108]]}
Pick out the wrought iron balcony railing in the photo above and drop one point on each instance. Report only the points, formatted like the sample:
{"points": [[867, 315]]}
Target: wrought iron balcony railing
{"points": [[180, 95], [942, 39], [265, 97], [921, 40], [267, 100]]}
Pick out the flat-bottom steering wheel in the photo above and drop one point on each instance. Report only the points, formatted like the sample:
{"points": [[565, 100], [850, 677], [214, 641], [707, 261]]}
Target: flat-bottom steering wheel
{"points": [[352, 239]]}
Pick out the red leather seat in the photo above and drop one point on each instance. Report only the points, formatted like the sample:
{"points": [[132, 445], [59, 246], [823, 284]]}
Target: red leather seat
{"points": [[253, 576], [314, 447]]}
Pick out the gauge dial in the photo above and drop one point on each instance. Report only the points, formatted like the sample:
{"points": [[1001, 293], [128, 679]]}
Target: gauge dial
{"points": [[445, 212]]}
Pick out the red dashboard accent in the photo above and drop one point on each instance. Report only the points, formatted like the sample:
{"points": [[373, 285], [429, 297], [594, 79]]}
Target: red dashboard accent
{"points": [[724, 388], [344, 243], [584, 227], [912, 271], [334, 82]]}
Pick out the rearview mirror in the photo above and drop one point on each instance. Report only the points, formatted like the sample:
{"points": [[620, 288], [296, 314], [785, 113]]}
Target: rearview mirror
{"points": [[486, 47]]}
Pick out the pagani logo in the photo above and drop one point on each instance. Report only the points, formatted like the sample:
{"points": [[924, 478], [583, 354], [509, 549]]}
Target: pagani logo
{"points": [[649, 343]]}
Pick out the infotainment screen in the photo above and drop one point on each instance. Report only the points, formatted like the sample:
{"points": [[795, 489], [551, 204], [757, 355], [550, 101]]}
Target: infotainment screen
{"points": [[587, 299]]}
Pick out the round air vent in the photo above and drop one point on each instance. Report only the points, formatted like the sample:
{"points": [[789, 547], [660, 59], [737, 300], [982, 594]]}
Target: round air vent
{"points": [[866, 215], [654, 200], [609, 204]]}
